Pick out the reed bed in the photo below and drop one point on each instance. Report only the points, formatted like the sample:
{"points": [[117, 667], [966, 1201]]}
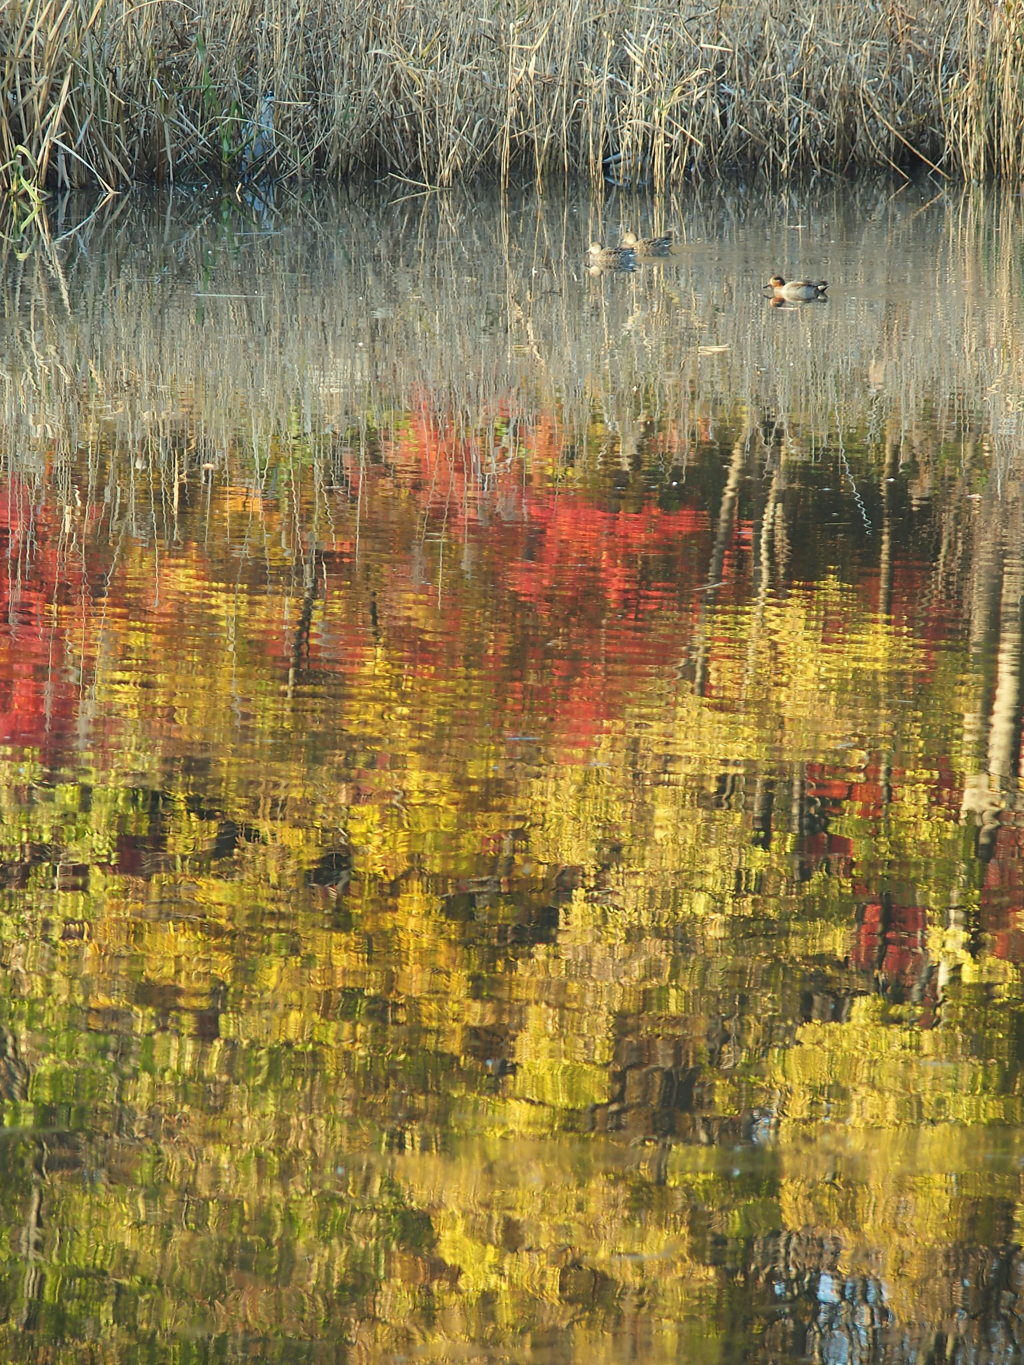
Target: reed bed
{"points": [[97, 92]]}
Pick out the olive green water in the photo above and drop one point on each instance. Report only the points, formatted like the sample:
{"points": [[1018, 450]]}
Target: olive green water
{"points": [[510, 782]]}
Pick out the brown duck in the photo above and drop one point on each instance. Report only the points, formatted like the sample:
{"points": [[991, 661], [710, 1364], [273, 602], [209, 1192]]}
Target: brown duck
{"points": [[622, 257], [647, 246]]}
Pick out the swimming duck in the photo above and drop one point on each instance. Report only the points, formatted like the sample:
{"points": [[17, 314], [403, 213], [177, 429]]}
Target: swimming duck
{"points": [[647, 246], [796, 291], [623, 257]]}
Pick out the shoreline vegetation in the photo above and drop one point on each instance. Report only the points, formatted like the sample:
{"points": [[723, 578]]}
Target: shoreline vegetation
{"points": [[100, 94]]}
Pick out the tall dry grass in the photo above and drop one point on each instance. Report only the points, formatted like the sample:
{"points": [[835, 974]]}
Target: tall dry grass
{"points": [[98, 91]]}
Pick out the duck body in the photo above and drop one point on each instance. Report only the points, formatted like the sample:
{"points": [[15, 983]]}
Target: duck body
{"points": [[620, 257], [647, 246], [796, 291]]}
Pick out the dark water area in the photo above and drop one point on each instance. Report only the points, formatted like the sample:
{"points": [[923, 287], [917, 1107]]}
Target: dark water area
{"points": [[510, 819]]}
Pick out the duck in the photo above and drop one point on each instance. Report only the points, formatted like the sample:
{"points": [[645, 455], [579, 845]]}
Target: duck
{"points": [[622, 257], [796, 291], [647, 246]]}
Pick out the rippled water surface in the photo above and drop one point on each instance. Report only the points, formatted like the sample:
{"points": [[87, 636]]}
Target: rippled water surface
{"points": [[511, 782]]}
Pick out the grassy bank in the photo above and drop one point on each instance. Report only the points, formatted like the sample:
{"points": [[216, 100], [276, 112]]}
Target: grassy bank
{"points": [[98, 92]]}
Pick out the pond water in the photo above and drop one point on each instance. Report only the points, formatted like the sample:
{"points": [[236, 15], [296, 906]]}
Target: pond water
{"points": [[511, 781]]}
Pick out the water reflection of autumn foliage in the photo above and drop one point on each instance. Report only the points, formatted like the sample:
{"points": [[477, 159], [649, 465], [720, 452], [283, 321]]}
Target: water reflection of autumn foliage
{"points": [[1002, 895], [574, 543], [40, 597], [582, 595], [486, 867], [484, 766]]}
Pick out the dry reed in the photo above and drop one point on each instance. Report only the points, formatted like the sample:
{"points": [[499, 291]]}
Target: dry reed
{"points": [[101, 93]]}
